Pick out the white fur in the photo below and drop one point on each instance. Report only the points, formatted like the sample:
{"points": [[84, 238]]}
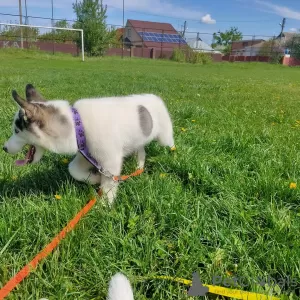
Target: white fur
{"points": [[112, 130], [119, 288]]}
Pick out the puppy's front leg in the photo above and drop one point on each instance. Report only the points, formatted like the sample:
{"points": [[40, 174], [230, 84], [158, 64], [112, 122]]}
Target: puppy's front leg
{"points": [[108, 185], [80, 169]]}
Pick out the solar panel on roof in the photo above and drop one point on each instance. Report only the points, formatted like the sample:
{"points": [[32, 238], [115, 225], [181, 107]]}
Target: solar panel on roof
{"points": [[161, 37]]}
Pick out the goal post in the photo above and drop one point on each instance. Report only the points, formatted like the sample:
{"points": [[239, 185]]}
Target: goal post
{"points": [[49, 27]]}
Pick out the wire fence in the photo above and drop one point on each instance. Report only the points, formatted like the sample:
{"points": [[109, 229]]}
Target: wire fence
{"points": [[147, 42]]}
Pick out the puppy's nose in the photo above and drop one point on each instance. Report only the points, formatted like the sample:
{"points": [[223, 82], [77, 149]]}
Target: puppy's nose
{"points": [[5, 149]]}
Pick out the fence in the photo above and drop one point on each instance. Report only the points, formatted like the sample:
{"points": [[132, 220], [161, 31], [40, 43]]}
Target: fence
{"points": [[154, 42]]}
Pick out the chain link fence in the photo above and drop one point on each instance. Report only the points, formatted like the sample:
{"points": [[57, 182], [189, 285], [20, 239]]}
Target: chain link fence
{"points": [[148, 42]]}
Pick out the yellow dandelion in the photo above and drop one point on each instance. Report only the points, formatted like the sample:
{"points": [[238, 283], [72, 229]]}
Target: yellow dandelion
{"points": [[194, 121], [228, 273], [183, 129], [173, 148], [65, 161], [293, 185], [14, 178], [162, 175], [57, 197]]}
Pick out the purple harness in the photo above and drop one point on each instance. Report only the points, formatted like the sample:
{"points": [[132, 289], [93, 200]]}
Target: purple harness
{"points": [[81, 141]]}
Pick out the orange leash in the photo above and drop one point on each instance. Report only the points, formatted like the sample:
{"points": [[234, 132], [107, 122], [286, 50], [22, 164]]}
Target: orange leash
{"points": [[124, 177], [12, 283], [45, 252]]}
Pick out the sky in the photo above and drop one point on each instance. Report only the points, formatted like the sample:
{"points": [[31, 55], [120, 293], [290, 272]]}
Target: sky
{"points": [[260, 18]]}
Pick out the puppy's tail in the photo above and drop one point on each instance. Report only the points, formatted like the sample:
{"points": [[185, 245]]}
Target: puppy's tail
{"points": [[119, 288]]}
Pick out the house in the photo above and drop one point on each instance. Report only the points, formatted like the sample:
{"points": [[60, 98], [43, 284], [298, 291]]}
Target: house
{"points": [[198, 45], [153, 35], [287, 37], [238, 47]]}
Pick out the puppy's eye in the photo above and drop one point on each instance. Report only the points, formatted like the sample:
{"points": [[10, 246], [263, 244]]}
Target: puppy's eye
{"points": [[16, 131]]}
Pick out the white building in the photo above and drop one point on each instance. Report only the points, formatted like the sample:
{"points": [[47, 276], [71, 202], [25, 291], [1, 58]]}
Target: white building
{"points": [[198, 45]]}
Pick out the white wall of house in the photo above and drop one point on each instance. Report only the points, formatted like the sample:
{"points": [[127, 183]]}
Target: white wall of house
{"points": [[251, 51], [132, 35]]}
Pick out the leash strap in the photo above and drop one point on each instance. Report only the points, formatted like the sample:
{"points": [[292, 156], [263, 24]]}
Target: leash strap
{"points": [[12, 283]]}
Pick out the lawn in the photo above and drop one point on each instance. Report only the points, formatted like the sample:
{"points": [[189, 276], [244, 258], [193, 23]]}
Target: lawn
{"points": [[220, 205]]}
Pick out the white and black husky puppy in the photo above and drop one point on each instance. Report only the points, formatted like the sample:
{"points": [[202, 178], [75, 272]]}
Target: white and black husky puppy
{"points": [[111, 128]]}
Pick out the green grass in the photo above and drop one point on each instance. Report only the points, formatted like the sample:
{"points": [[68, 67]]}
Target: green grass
{"points": [[224, 204]]}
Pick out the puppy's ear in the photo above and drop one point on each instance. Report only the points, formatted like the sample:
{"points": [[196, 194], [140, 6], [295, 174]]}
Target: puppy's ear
{"points": [[32, 94], [22, 103], [27, 108]]}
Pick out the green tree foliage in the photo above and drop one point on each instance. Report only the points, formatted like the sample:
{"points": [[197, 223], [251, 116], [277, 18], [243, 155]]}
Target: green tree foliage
{"points": [[226, 38], [58, 35], [91, 17], [294, 46], [13, 33]]}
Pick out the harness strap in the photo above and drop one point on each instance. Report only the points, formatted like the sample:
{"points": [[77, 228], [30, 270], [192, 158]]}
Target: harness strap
{"points": [[81, 141], [83, 149]]}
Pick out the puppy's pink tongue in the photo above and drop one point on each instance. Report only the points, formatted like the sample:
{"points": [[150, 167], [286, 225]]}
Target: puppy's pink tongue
{"points": [[21, 162]]}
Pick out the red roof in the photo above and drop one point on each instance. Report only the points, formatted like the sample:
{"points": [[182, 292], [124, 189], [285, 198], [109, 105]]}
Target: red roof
{"points": [[156, 27], [152, 26]]}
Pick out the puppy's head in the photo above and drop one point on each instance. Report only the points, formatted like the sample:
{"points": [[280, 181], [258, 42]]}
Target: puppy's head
{"points": [[31, 125]]}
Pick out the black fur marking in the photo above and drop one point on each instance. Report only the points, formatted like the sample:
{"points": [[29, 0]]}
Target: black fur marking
{"points": [[146, 121]]}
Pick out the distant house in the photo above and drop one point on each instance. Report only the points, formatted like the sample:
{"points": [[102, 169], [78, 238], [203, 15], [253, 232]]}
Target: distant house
{"points": [[286, 37], [152, 35], [198, 45], [238, 47]]}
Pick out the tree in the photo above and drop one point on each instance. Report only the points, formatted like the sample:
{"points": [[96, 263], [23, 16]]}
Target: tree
{"points": [[226, 38], [294, 46], [272, 49], [60, 35], [91, 17], [12, 33]]}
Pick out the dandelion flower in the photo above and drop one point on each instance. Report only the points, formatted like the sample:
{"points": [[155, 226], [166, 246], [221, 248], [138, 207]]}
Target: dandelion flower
{"points": [[57, 197], [194, 121], [162, 175], [293, 185], [14, 178], [228, 273], [183, 129], [173, 148], [65, 161]]}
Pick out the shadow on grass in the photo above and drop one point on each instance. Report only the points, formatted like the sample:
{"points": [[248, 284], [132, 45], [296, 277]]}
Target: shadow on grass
{"points": [[36, 182]]}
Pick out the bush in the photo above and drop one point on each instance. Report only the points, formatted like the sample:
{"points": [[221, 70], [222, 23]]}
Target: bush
{"points": [[178, 55], [190, 56]]}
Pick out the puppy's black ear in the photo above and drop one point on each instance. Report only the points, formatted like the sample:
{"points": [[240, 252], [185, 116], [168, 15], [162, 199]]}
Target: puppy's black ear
{"points": [[19, 100], [27, 108], [32, 94]]}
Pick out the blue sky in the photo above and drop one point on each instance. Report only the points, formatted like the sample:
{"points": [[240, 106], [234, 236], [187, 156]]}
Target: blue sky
{"points": [[252, 17]]}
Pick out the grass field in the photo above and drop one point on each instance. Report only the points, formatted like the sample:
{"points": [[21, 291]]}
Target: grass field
{"points": [[220, 205]]}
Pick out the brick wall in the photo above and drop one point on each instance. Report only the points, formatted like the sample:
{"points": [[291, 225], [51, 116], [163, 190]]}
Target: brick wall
{"points": [[43, 46], [291, 61]]}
